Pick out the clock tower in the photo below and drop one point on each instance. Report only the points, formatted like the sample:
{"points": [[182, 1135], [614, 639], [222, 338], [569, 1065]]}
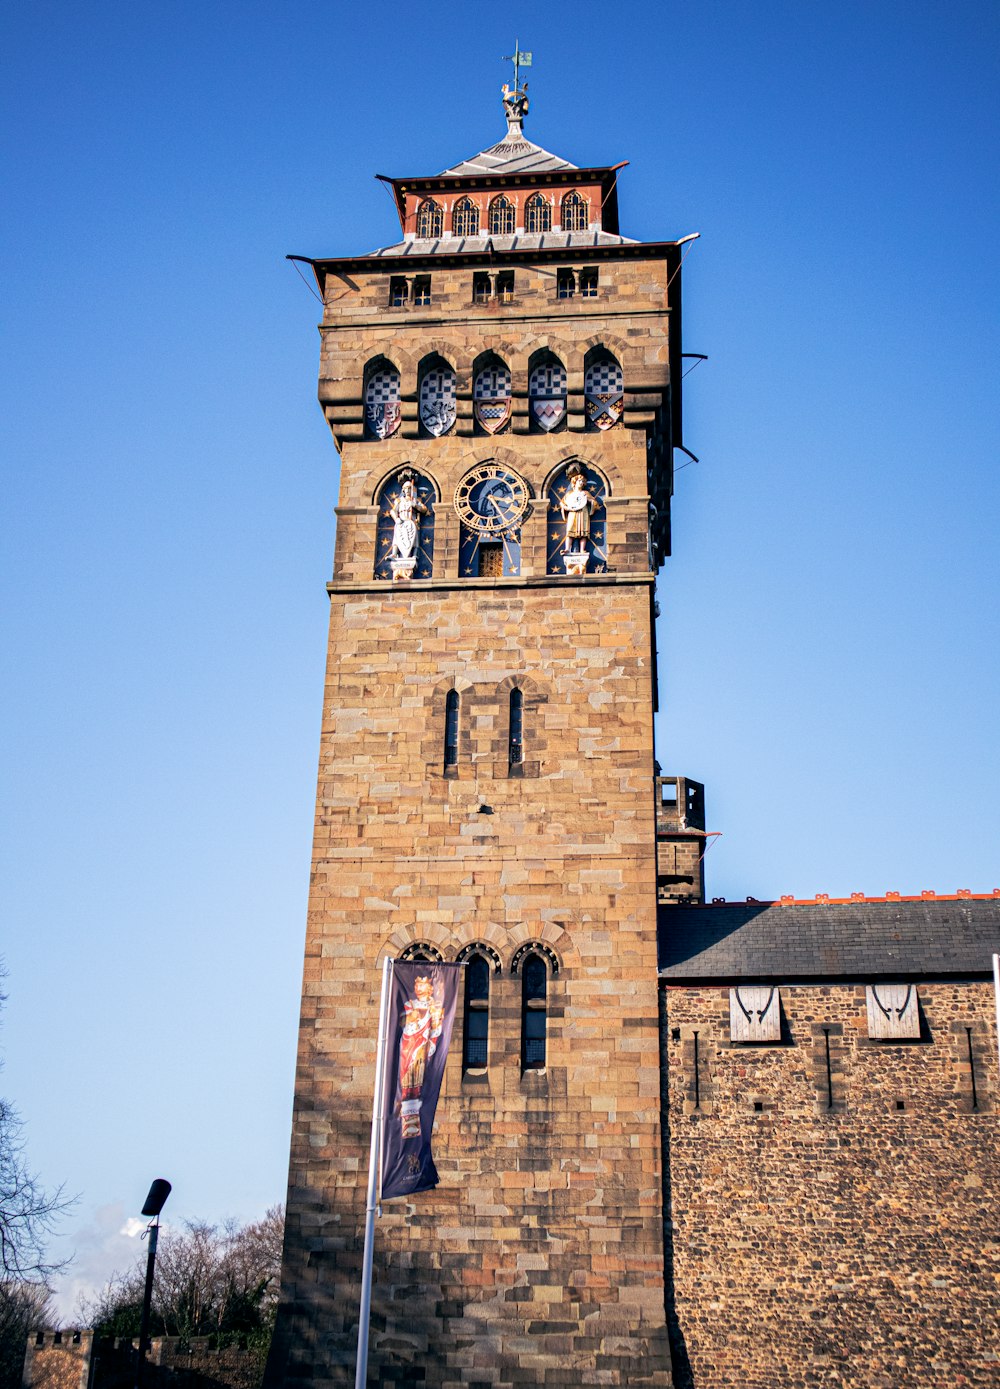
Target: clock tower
{"points": [[502, 385]]}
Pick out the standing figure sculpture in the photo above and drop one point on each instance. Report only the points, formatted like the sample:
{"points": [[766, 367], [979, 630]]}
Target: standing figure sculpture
{"points": [[422, 1025], [406, 512], [576, 507]]}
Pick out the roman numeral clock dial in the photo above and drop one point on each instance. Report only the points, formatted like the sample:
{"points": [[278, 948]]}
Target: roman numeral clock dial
{"points": [[491, 500]]}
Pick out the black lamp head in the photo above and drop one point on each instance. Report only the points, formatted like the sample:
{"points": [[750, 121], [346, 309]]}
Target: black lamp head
{"points": [[158, 1194]]}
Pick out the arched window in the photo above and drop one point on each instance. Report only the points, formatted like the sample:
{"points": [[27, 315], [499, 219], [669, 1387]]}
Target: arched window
{"points": [[547, 394], [475, 1046], [501, 217], [603, 389], [430, 219], [423, 953], [560, 535], [393, 535], [436, 396], [491, 398], [465, 218], [515, 739], [534, 988], [574, 213], [451, 730], [537, 214], [382, 412]]}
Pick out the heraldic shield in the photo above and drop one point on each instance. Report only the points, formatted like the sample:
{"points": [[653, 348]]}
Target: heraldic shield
{"points": [[491, 399], [382, 410], [547, 395], [604, 389], [437, 399]]}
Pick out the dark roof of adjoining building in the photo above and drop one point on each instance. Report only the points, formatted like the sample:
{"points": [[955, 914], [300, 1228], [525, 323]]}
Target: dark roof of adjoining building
{"points": [[928, 937]]}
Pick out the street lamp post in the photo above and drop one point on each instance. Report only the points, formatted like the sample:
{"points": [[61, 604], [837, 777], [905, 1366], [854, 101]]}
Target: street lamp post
{"points": [[158, 1194]]}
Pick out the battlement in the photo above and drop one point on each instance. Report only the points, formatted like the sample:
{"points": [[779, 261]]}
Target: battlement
{"points": [[823, 899]]}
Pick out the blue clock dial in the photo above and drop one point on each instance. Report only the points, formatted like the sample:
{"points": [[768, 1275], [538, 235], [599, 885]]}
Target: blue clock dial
{"points": [[491, 500]]}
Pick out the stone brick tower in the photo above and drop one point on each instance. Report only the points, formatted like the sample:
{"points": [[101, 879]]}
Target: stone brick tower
{"points": [[503, 387]]}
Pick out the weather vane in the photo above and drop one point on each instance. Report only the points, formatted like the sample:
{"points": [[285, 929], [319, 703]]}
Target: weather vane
{"points": [[520, 60]]}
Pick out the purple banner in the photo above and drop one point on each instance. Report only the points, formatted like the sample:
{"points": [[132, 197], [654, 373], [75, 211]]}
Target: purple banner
{"points": [[422, 1001]]}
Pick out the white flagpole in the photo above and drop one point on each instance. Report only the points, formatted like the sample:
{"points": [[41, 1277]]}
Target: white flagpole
{"points": [[374, 1170], [996, 996]]}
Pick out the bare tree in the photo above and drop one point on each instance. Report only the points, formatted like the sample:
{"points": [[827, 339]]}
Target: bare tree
{"points": [[211, 1280], [27, 1211]]}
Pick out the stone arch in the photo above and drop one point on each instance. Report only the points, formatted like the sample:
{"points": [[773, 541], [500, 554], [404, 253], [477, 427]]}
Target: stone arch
{"points": [[408, 934], [419, 465], [606, 471], [386, 495]]}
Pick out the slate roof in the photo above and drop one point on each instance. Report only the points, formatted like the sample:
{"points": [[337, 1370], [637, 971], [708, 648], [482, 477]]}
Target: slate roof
{"points": [[466, 245], [770, 941], [513, 155]]}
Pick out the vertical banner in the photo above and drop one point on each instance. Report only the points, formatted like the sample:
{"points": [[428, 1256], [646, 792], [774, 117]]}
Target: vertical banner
{"points": [[422, 1001]]}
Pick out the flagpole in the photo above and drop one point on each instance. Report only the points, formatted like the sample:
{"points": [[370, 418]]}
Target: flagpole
{"points": [[374, 1164]]}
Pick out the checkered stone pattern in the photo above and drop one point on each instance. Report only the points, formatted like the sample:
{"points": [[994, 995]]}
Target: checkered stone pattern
{"points": [[437, 400], [492, 383], [548, 380], [603, 386], [383, 388]]}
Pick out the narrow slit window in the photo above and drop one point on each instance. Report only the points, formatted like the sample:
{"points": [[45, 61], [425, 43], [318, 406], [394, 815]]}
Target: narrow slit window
{"points": [[477, 1014], [451, 730], [516, 749], [534, 988]]}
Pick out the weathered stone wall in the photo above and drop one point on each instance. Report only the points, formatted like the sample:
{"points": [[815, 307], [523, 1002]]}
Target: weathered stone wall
{"points": [[850, 1244], [58, 1360], [539, 1257]]}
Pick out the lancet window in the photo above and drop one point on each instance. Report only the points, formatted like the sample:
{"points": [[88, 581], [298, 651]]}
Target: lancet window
{"points": [[574, 215], [451, 711], [465, 218], [515, 736], [537, 214], [436, 396], [475, 1046], [547, 394], [603, 389], [382, 409], [501, 217], [534, 1009], [430, 219]]}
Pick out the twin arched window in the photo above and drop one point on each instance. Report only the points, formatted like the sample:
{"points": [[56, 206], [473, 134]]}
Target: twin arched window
{"points": [[480, 963], [515, 730], [430, 219]]}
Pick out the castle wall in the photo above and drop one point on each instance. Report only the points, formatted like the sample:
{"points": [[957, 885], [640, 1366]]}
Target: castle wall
{"points": [[852, 1243]]}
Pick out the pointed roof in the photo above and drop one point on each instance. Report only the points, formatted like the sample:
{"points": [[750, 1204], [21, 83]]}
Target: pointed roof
{"points": [[513, 155]]}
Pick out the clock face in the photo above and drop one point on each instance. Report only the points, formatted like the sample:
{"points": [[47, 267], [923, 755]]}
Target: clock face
{"points": [[491, 499]]}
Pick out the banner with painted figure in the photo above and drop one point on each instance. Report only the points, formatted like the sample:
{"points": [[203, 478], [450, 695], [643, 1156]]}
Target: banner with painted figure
{"points": [[422, 1001]]}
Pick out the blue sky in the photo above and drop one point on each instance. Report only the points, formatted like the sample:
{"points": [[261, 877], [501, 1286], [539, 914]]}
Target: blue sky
{"points": [[828, 646]]}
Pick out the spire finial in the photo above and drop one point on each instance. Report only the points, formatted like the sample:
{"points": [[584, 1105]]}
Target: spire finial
{"points": [[515, 101]]}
